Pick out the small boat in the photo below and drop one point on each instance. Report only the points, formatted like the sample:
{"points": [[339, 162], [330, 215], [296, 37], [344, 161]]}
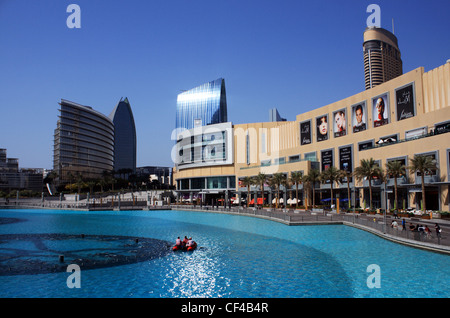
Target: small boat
{"points": [[185, 248]]}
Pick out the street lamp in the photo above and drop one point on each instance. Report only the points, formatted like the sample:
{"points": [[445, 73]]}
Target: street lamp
{"points": [[385, 204]]}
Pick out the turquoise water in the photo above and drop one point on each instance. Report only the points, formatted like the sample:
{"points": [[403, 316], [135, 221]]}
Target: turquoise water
{"points": [[238, 257]]}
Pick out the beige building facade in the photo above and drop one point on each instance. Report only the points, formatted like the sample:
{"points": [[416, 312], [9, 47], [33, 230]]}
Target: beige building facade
{"points": [[395, 120]]}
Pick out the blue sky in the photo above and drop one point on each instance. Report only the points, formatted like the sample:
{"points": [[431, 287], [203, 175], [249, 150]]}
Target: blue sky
{"points": [[293, 55]]}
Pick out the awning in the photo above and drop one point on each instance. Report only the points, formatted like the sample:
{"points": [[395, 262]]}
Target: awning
{"points": [[259, 200]]}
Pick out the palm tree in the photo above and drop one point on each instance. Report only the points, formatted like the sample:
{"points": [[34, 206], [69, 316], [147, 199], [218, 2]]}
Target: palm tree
{"points": [[346, 175], [261, 179], [313, 177], [247, 182], [286, 184], [395, 169], [306, 190], [277, 180], [422, 164], [331, 174], [79, 182], [296, 178], [91, 183], [368, 169]]}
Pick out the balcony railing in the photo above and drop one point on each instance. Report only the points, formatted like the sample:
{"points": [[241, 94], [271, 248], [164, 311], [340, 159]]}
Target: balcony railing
{"points": [[430, 134]]}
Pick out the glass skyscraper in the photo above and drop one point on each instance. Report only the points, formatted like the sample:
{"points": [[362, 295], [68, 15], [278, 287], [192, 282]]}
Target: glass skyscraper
{"points": [[203, 105], [124, 136]]}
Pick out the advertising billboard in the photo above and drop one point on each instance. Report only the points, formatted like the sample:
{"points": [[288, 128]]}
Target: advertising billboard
{"points": [[404, 98], [322, 128], [359, 117], [380, 110]]}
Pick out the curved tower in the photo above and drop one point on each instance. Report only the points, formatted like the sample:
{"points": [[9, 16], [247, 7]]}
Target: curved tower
{"points": [[124, 136], [83, 143], [382, 59]]}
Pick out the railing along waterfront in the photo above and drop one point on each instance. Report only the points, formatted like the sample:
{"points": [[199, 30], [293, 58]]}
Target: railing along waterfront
{"points": [[374, 223]]}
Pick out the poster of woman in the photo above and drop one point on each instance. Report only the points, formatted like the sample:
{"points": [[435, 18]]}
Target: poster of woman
{"points": [[380, 110], [322, 128]]}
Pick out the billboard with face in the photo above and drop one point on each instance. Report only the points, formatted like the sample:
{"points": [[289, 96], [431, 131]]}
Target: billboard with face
{"points": [[322, 127], [380, 110], [340, 123], [359, 117]]}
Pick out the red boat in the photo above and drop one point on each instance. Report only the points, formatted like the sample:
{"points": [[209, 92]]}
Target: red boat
{"points": [[185, 248]]}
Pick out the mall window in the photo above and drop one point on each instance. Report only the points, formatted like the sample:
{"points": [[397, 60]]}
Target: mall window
{"points": [[232, 182], [311, 156], [365, 145], [434, 156], [184, 184], [416, 133], [279, 161], [294, 158], [217, 183], [197, 183]]}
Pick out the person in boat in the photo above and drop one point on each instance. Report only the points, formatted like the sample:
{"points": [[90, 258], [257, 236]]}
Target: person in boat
{"points": [[191, 243], [178, 242], [185, 241]]}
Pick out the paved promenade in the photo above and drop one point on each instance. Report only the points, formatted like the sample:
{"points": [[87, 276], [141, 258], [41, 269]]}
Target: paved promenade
{"points": [[374, 223]]}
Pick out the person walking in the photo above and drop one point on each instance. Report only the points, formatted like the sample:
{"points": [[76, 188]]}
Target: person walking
{"points": [[403, 224], [438, 230]]}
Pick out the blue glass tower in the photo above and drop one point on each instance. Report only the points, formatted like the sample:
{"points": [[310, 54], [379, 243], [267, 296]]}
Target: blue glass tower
{"points": [[203, 105], [124, 136]]}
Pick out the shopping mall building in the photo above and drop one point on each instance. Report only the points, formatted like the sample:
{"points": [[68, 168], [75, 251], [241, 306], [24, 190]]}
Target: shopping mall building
{"points": [[405, 116]]}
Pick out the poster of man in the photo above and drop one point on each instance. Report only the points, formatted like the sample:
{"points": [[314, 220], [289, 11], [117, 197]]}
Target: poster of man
{"points": [[340, 123], [359, 117], [380, 110]]}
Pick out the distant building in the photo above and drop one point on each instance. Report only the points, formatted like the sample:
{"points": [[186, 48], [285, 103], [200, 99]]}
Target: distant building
{"points": [[124, 136], [162, 174], [13, 178], [83, 143], [203, 105], [275, 116], [382, 58]]}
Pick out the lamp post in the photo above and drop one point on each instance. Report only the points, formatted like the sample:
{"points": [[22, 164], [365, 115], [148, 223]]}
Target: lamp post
{"points": [[354, 200], [385, 205]]}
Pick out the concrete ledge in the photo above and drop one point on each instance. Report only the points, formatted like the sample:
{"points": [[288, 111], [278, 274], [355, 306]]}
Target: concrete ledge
{"points": [[413, 243]]}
